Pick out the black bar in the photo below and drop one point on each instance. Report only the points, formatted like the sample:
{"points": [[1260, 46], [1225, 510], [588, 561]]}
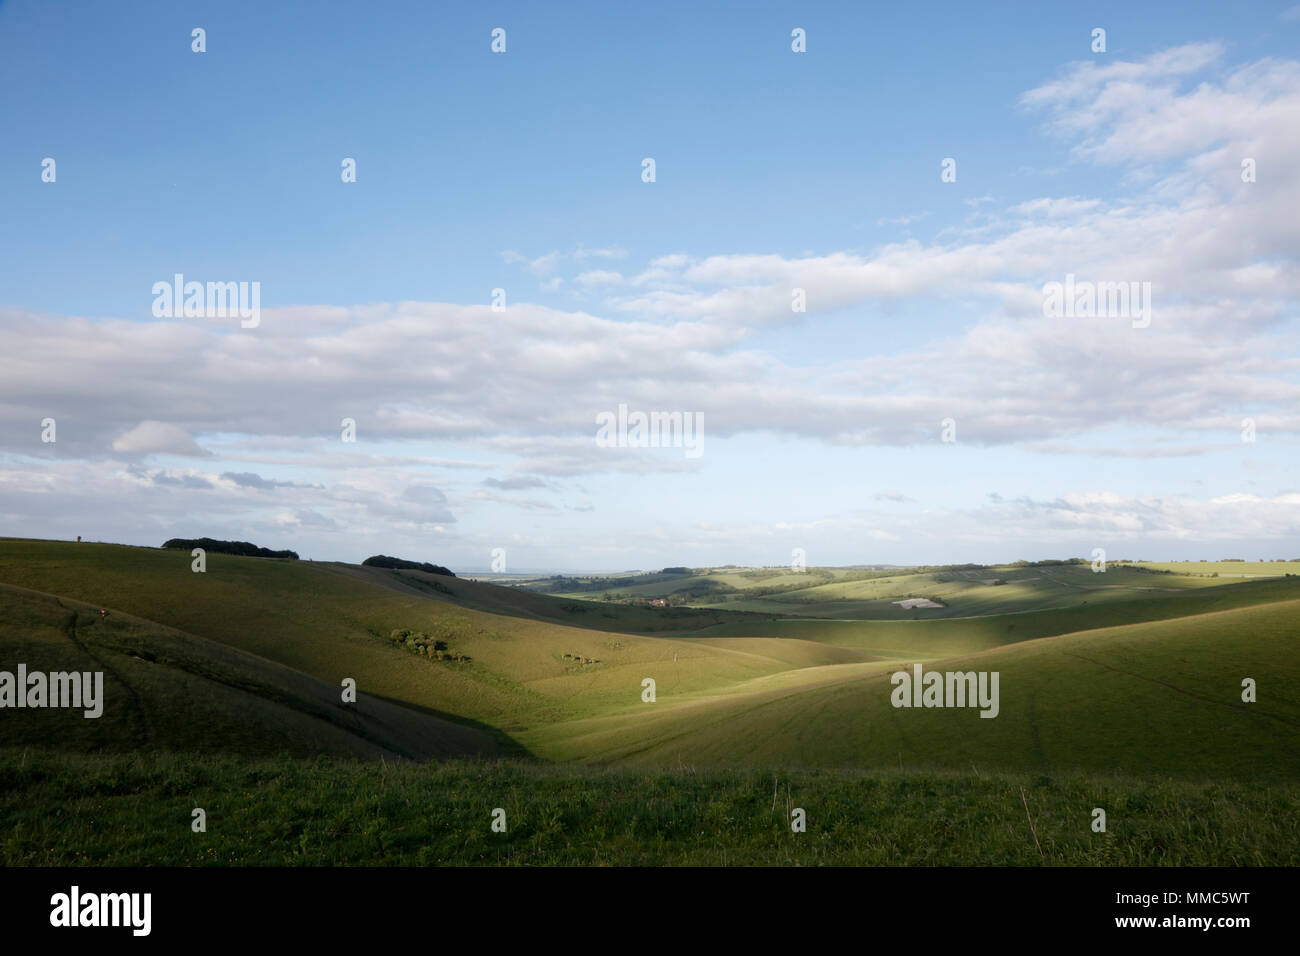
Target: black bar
{"points": [[327, 906]]}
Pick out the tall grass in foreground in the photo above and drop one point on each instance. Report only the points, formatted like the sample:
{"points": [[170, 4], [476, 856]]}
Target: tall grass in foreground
{"points": [[136, 810]]}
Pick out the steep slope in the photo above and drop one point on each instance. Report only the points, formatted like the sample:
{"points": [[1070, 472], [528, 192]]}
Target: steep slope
{"points": [[167, 690], [329, 622]]}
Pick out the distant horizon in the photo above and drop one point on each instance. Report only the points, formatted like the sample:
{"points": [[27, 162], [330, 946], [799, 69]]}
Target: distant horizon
{"points": [[586, 572]]}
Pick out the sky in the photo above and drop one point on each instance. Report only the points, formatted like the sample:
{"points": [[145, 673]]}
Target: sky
{"points": [[503, 271]]}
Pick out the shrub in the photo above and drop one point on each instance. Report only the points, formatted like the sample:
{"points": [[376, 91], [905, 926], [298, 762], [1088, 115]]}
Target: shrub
{"points": [[384, 561], [244, 548]]}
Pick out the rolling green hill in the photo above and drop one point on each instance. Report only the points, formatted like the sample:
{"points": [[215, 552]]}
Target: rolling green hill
{"points": [[332, 621], [168, 690], [1161, 697], [1142, 678]]}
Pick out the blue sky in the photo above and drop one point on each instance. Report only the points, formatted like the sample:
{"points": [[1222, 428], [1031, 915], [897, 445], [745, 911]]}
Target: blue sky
{"points": [[522, 171]]}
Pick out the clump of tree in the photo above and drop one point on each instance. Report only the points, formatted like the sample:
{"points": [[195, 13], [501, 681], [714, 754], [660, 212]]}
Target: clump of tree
{"points": [[426, 645], [245, 548], [676, 571], [384, 561]]}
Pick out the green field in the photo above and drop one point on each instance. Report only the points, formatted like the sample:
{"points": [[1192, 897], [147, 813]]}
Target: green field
{"points": [[93, 811], [1133, 675], [843, 594]]}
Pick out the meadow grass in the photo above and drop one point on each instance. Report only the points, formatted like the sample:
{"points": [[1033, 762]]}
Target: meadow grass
{"points": [[68, 810]]}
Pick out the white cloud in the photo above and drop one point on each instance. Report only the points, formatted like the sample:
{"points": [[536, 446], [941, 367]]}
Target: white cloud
{"points": [[598, 277], [154, 437], [541, 266], [901, 220], [545, 266], [1052, 208]]}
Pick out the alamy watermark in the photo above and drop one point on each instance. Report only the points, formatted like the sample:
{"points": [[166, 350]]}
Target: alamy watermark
{"points": [[624, 429], [215, 300], [1105, 300], [37, 689], [75, 908], [946, 689]]}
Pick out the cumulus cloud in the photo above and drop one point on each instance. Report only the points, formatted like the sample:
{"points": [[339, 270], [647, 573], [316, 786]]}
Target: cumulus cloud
{"points": [[155, 437], [304, 518], [428, 505], [598, 277]]}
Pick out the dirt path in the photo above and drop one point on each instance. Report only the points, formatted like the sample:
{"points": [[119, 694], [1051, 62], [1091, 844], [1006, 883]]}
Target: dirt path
{"points": [[137, 704]]}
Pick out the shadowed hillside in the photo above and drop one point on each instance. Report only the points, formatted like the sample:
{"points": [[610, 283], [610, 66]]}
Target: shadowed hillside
{"points": [[168, 690]]}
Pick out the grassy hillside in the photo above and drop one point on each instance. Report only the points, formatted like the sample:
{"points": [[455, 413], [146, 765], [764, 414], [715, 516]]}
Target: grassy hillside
{"points": [[334, 621], [1227, 569], [168, 690], [1161, 697], [949, 635], [71, 811]]}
